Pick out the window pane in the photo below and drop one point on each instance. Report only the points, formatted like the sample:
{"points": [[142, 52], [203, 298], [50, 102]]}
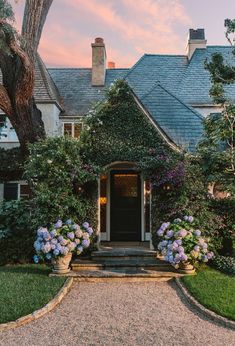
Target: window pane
{"points": [[24, 191], [10, 191], [68, 129], [77, 130]]}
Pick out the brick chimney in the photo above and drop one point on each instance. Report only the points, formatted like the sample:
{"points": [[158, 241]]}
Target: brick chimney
{"points": [[98, 62], [111, 64], [196, 40]]}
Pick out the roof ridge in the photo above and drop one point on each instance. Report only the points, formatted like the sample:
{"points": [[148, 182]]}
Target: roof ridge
{"points": [[135, 65], [172, 95], [184, 104]]}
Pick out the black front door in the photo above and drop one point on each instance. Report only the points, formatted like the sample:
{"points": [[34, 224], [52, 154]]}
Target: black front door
{"points": [[125, 212]]}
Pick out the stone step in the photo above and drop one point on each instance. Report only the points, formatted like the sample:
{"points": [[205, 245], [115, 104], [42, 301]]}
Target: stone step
{"points": [[120, 263], [122, 275], [124, 253]]}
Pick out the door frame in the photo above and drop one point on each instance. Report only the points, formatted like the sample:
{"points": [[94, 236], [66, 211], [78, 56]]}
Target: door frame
{"points": [[145, 235]]}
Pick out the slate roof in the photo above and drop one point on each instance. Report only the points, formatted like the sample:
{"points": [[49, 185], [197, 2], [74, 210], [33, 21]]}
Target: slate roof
{"points": [[167, 86], [180, 122], [75, 87]]}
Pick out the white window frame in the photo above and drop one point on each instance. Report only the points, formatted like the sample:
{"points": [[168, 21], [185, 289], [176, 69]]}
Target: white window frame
{"points": [[73, 125]]}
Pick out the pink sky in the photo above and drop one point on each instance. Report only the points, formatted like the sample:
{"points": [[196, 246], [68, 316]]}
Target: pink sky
{"points": [[130, 28]]}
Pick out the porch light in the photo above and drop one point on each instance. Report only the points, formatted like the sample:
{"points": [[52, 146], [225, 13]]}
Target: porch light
{"points": [[103, 200]]}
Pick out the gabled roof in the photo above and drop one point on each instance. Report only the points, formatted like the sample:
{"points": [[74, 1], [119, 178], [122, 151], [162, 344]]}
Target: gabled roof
{"points": [[195, 84], [178, 121]]}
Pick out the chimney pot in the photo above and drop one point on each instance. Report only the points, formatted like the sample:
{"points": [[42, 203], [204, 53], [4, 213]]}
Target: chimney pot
{"points": [[99, 40], [111, 64]]}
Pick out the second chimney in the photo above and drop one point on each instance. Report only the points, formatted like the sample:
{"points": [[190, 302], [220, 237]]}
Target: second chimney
{"points": [[98, 62], [196, 40]]}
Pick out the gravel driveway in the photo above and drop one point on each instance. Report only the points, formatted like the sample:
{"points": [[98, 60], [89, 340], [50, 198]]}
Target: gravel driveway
{"points": [[120, 314]]}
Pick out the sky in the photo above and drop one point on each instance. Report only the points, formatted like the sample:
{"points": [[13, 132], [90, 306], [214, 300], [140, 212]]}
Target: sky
{"points": [[130, 28]]}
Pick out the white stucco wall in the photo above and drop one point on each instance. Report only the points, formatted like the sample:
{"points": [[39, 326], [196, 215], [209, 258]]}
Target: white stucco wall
{"points": [[205, 111], [50, 117]]}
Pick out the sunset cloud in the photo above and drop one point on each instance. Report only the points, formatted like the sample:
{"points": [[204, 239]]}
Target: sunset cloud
{"points": [[130, 28]]}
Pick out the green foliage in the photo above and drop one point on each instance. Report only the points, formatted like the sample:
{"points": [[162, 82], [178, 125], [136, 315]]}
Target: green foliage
{"points": [[16, 232], [224, 264], [218, 148], [57, 176], [214, 290], [24, 289], [11, 164], [117, 130], [6, 11]]}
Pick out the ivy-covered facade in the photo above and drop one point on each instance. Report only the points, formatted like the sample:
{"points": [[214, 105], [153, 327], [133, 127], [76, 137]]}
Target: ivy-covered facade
{"points": [[136, 132]]}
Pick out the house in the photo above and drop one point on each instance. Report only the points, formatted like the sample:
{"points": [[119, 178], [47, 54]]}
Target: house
{"points": [[173, 93]]}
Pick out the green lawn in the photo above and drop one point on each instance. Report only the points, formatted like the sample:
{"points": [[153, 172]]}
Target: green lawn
{"points": [[24, 289], [214, 290]]}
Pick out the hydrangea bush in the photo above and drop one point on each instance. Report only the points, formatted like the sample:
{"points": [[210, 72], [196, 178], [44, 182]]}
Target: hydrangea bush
{"points": [[181, 242], [61, 239]]}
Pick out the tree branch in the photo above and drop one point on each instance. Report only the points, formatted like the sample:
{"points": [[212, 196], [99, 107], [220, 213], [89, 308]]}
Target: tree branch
{"points": [[34, 19]]}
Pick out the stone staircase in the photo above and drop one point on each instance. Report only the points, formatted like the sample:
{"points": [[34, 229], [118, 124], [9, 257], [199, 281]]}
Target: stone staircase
{"points": [[127, 264]]}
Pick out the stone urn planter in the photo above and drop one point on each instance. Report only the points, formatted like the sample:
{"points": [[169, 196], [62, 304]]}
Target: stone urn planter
{"points": [[186, 268], [61, 264]]}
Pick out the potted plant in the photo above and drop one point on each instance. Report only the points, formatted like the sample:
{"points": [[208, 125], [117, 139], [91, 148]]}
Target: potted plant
{"points": [[57, 243], [182, 244]]}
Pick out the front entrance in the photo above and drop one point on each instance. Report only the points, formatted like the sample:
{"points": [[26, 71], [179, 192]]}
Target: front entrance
{"points": [[125, 206]]}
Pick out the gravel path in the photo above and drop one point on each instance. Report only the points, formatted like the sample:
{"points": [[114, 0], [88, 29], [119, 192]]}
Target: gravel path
{"points": [[120, 314]]}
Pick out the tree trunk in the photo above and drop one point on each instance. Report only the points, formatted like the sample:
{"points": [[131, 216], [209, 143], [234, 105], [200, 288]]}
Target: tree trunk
{"points": [[17, 63]]}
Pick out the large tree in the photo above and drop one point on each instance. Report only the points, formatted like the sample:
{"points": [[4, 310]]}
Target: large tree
{"points": [[17, 63], [218, 147]]}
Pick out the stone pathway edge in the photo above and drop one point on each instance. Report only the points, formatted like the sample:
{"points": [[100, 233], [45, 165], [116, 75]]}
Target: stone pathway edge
{"points": [[40, 312], [223, 321]]}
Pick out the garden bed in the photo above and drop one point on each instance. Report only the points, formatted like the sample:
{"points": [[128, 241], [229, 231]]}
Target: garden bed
{"points": [[214, 290], [24, 289]]}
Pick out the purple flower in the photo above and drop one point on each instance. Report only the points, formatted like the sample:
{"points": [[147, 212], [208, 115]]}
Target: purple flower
{"points": [[184, 257], [56, 252], [178, 241], [85, 225], [197, 233], [210, 255], [190, 219], [53, 233], [90, 230], [169, 234], [196, 248], [58, 224], [86, 243], [160, 232], [71, 235], [79, 249], [186, 218]]}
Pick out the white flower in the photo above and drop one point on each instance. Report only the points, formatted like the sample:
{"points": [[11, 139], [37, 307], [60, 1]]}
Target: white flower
{"points": [[86, 236]]}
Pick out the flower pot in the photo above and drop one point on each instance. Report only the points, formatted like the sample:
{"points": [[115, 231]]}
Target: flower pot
{"points": [[61, 264], [186, 268]]}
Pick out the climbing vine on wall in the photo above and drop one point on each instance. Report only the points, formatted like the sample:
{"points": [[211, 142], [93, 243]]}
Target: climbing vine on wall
{"points": [[117, 130]]}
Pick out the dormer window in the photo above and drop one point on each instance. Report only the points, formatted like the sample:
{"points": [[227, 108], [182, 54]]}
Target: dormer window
{"points": [[72, 129]]}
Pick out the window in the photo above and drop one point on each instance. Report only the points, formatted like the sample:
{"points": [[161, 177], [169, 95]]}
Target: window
{"points": [[15, 190], [3, 126], [72, 129], [10, 191]]}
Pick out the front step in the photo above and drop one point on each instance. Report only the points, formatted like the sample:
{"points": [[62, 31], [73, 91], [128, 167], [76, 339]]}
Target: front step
{"points": [[122, 275], [128, 264], [123, 253]]}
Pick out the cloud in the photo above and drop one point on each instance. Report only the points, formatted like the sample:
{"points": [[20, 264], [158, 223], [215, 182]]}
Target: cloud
{"points": [[129, 27]]}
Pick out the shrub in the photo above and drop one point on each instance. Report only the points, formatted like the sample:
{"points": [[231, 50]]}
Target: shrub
{"points": [[16, 232], [181, 242], [57, 174], [224, 264], [62, 238]]}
